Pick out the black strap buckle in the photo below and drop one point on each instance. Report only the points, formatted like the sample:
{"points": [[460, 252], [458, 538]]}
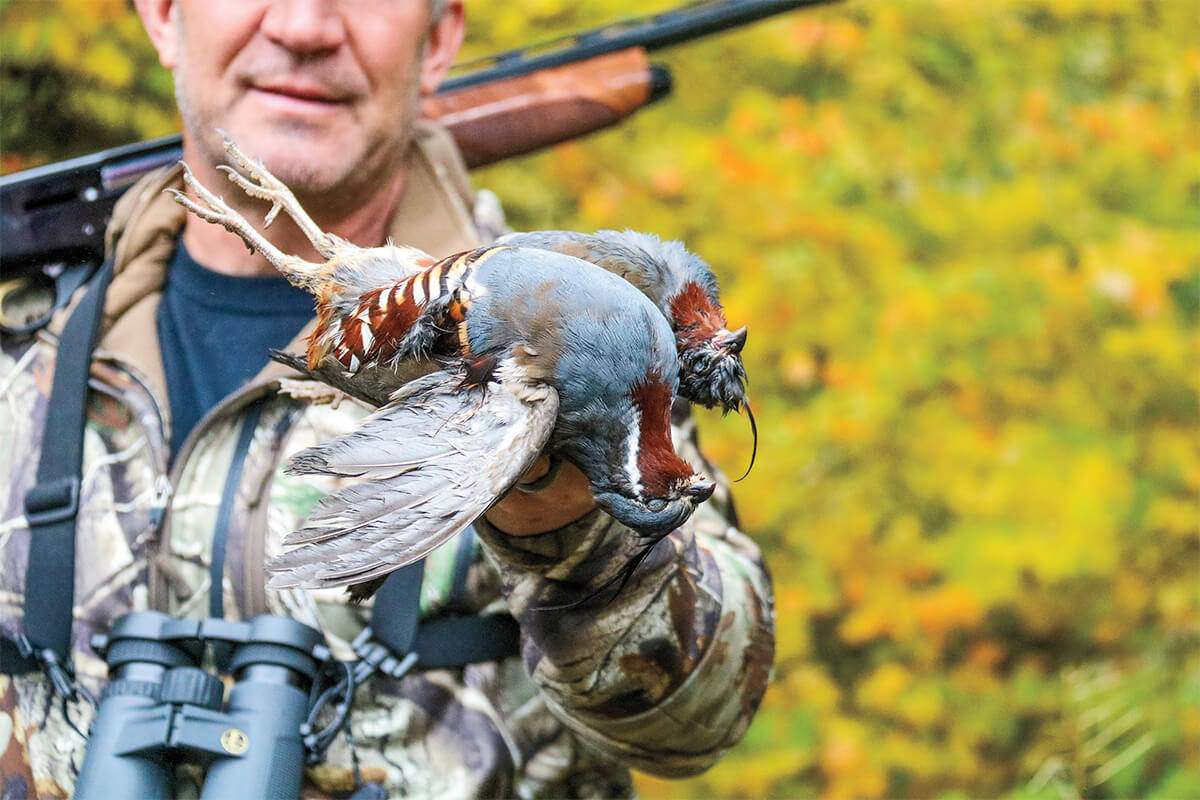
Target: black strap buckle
{"points": [[61, 675], [374, 657], [52, 501]]}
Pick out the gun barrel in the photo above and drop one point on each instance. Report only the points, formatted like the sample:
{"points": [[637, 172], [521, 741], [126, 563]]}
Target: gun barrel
{"points": [[650, 33]]}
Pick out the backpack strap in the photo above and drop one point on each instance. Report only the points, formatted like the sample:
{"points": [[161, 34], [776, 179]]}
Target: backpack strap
{"points": [[216, 568], [52, 505], [397, 633]]}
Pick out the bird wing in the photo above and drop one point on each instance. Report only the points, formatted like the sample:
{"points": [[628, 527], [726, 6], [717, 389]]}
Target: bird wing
{"points": [[434, 459]]}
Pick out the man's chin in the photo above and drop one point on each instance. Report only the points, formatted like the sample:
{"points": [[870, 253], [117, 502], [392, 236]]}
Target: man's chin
{"points": [[311, 160]]}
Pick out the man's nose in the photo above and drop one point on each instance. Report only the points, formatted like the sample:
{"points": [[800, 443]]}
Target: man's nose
{"points": [[304, 26]]}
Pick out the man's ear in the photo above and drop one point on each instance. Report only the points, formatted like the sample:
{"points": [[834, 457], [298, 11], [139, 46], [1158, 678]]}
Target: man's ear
{"points": [[157, 19], [445, 37]]}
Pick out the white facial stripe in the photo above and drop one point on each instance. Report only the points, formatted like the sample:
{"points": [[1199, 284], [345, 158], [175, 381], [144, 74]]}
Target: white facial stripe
{"points": [[631, 452]]}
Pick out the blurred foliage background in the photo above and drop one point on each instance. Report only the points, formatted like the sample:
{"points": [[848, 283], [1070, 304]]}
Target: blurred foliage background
{"points": [[966, 239]]}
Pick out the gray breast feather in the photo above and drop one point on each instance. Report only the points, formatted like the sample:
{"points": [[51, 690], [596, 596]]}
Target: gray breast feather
{"points": [[601, 331]]}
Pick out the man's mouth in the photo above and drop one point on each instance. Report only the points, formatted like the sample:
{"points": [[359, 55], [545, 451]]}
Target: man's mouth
{"points": [[300, 98]]}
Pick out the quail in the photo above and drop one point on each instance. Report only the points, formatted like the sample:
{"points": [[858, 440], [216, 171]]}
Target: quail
{"points": [[533, 351]]}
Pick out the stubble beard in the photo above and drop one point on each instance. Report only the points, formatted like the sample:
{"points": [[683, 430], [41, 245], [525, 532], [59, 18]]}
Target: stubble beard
{"points": [[337, 184]]}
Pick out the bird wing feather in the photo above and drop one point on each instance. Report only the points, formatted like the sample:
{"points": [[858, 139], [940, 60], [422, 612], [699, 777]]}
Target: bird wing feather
{"points": [[435, 458]]}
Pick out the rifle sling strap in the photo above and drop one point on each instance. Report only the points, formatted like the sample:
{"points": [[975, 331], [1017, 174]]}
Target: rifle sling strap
{"points": [[52, 505], [439, 642]]}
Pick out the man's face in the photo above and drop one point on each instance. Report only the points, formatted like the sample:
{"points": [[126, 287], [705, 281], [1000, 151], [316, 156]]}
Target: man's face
{"points": [[324, 91]]}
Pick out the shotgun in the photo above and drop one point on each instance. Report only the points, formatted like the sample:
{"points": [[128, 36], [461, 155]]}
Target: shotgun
{"points": [[53, 218]]}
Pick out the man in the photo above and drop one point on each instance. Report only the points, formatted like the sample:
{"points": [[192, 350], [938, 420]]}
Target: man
{"points": [[188, 430]]}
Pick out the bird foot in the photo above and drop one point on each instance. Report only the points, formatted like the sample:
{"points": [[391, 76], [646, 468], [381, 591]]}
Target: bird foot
{"points": [[263, 185], [215, 210]]}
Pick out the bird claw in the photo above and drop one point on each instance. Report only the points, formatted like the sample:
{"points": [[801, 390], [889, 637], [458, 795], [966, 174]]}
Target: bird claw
{"points": [[217, 211], [261, 185], [256, 190], [264, 186], [214, 210]]}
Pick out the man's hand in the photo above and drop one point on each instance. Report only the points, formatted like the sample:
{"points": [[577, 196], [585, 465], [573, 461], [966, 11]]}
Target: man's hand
{"points": [[524, 513]]}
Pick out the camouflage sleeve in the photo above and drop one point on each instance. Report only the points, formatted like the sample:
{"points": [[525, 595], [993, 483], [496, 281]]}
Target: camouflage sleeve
{"points": [[666, 676]]}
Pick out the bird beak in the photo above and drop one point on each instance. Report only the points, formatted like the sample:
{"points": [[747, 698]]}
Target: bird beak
{"points": [[733, 342], [700, 490]]}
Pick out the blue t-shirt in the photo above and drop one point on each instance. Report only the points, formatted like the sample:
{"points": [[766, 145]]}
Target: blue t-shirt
{"points": [[215, 332]]}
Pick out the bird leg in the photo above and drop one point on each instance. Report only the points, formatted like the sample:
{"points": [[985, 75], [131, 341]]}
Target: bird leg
{"points": [[315, 392], [302, 273], [265, 186]]}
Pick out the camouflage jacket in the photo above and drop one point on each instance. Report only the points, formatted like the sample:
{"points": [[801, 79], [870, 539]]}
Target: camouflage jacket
{"points": [[663, 679]]}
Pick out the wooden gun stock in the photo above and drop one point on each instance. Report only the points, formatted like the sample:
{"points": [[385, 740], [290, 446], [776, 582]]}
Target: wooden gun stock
{"points": [[519, 115]]}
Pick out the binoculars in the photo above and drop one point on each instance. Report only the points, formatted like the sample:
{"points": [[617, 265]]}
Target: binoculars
{"points": [[161, 709]]}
